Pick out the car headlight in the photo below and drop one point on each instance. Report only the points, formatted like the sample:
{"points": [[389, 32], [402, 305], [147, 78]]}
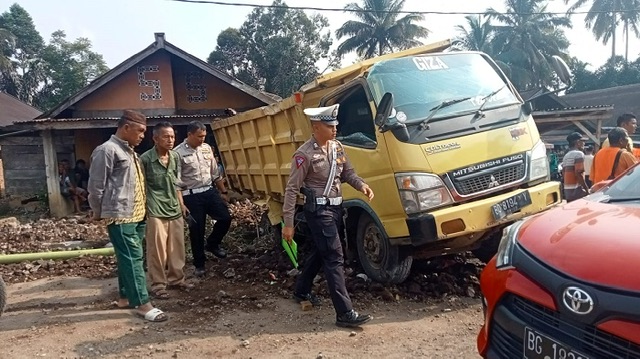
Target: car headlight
{"points": [[422, 192], [539, 163], [504, 256]]}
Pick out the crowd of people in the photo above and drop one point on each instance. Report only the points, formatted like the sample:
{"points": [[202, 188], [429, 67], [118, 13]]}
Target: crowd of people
{"points": [[149, 199], [582, 169]]}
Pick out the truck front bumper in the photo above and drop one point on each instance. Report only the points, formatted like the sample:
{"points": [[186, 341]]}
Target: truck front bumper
{"points": [[476, 216]]}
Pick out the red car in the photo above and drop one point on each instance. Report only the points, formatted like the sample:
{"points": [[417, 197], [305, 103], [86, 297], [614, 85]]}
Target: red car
{"points": [[565, 284]]}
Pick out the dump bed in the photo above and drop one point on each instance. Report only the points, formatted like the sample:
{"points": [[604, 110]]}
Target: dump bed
{"points": [[257, 145]]}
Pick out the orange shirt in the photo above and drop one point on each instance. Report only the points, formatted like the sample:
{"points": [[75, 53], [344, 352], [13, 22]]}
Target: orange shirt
{"points": [[636, 152], [603, 163]]}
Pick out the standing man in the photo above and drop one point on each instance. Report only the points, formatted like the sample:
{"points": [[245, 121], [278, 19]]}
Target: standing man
{"points": [[117, 194], [611, 161], [575, 186], [629, 123], [199, 172], [165, 209], [588, 162], [320, 165]]}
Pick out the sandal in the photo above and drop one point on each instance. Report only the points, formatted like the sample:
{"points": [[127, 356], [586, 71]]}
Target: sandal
{"points": [[116, 305], [154, 315], [160, 294]]}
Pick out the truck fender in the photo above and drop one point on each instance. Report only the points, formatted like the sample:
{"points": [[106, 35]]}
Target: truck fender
{"points": [[352, 204]]}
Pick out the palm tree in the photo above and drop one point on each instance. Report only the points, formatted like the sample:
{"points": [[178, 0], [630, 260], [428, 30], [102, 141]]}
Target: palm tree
{"points": [[631, 20], [604, 16], [379, 30], [526, 38], [477, 33]]}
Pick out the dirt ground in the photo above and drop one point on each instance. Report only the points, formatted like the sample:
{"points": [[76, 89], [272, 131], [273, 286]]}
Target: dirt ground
{"points": [[71, 317], [243, 309]]}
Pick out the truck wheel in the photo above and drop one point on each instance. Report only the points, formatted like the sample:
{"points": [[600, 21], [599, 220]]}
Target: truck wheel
{"points": [[3, 295], [380, 260], [488, 248]]}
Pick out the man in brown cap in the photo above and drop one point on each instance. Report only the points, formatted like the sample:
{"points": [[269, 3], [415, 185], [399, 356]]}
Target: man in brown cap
{"points": [[117, 194]]}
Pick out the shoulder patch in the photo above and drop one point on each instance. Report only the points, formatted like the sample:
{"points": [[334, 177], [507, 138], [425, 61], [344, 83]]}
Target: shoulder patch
{"points": [[299, 161]]}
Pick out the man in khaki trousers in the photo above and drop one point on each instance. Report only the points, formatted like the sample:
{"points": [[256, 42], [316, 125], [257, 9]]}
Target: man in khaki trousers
{"points": [[165, 209]]}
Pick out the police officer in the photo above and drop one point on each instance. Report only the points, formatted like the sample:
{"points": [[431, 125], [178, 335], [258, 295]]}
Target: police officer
{"points": [[318, 167], [199, 172]]}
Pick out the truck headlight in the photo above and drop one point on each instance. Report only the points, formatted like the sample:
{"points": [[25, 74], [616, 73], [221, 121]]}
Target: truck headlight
{"points": [[422, 192], [504, 256], [539, 163]]}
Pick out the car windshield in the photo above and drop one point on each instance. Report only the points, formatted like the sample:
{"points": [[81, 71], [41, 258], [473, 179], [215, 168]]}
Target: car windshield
{"points": [[626, 188], [421, 84]]}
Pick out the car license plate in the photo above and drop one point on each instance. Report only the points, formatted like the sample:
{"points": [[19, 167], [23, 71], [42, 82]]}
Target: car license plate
{"points": [[538, 346], [510, 205]]}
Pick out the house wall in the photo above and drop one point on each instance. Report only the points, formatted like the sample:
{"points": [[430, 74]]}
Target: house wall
{"points": [[23, 162], [147, 85], [198, 90]]}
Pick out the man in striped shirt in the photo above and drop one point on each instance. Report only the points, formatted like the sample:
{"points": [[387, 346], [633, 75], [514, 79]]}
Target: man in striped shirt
{"points": [[575, 186]]}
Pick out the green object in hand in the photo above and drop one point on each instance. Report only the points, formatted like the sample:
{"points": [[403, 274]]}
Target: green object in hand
{"points": [[291, 248]]}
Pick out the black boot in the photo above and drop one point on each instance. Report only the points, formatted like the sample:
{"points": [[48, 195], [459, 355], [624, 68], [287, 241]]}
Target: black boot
{"points": [[352, 319]]}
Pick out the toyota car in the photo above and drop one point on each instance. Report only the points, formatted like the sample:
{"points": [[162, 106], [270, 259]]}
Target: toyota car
{"points": [[565, 284]]}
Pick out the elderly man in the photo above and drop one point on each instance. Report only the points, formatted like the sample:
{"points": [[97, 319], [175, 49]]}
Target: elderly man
{"points": [[117, 194], [165, 209]]}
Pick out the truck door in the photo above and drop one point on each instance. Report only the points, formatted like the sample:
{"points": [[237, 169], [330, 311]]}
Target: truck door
{"points": [[367, 151]]}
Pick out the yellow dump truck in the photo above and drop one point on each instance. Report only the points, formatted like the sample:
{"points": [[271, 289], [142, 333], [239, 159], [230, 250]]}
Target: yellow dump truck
{"points": [[442, 137]]}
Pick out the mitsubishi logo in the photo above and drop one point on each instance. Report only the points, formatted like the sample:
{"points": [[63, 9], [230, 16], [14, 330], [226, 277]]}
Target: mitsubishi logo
{"points": [[492, 182], [577, 300]]}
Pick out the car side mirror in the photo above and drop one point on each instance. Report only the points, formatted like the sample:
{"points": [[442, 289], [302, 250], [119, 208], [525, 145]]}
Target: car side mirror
{"points": [[562, 69], [384, 109]]}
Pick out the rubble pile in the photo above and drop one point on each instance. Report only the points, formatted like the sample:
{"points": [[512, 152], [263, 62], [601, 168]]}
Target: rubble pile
{"points": [[256, 260], [44, 234]]}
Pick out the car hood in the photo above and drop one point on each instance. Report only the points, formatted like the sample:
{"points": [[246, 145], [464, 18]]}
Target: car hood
{"points": [[595, 242]]}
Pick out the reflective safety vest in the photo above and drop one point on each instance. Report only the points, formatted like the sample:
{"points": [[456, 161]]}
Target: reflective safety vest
{"points": [[603, 163]]}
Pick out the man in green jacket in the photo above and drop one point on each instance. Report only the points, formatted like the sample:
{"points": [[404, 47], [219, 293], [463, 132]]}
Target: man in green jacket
{"points": [[165, 211]]}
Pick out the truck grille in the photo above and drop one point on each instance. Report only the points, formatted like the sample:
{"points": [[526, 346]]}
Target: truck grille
{"points": [[484, 176], [583, 337]]}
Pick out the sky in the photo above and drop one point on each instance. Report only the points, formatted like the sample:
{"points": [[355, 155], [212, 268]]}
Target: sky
{"points": [[120, 28]]}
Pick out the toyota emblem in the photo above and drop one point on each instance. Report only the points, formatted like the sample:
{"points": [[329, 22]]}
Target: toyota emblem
{"points": [[577, 300]]}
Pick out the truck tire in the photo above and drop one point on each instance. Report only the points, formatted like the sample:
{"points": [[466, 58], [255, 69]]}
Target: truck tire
{"points": [[380, 260], [3, 295]]}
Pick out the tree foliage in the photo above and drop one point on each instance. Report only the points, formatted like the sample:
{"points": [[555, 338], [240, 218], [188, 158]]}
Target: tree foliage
{"points": [[38, 74], [70, 66], [615, 72], [605, 16], [525, 38], [275, 49], [378, 29]]}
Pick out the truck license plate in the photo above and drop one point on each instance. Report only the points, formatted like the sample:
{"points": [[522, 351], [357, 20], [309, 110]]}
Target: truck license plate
{"points": [[538, 346], [510, 205]]}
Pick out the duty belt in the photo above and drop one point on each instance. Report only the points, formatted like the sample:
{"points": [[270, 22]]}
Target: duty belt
{"points": [[196, 190], [336, 201]]}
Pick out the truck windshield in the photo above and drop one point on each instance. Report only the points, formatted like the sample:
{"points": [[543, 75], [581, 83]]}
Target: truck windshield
{"points": [[436, 90]]}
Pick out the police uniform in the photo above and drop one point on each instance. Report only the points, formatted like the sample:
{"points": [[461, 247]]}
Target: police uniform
{"points": [[198, 172], [312, 168]]}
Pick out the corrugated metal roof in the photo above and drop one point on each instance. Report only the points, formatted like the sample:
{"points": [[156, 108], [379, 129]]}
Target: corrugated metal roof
{"points": [[80, 119], [13, 110]]}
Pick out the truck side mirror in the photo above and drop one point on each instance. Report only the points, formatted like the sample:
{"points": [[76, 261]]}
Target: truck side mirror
{"points": [[384, 109], [562, 69]]}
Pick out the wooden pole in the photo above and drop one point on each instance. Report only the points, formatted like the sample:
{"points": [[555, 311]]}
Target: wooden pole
{"points": [[57, 206]]}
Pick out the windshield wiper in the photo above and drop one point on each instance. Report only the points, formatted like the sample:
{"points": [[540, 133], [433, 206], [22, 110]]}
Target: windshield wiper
{"points": [[622, 199], [442, 105], [485, 100]]}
